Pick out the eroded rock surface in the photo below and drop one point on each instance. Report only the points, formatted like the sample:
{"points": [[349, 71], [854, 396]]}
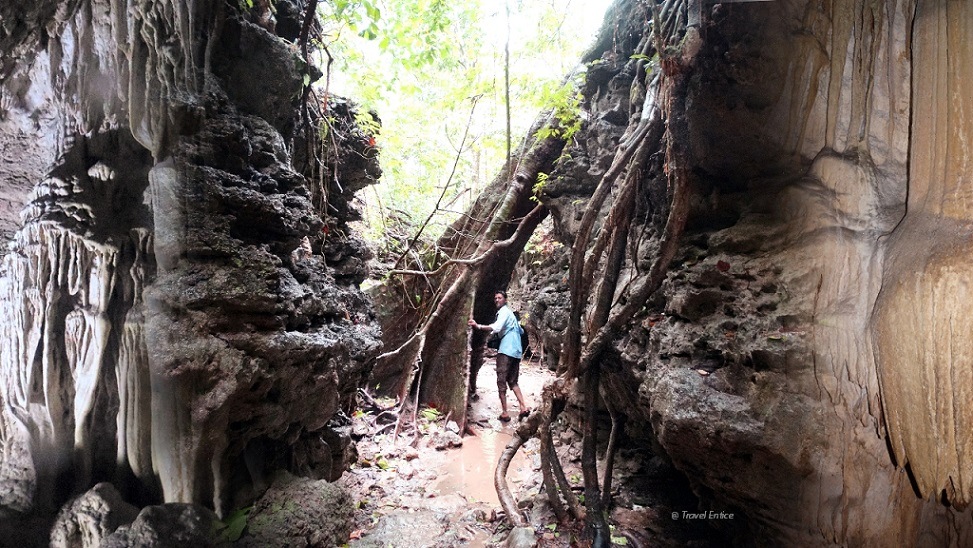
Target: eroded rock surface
{"points": [[159, 330], [805, 363], [299, 512], [168, 526], [89, 519]]}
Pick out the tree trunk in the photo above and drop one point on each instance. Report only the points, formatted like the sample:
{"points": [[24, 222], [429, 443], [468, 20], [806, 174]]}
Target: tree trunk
{"points": [[484, 246]]}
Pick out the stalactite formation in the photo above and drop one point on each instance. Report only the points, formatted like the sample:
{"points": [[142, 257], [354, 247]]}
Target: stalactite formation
{"points": [[159, 333]]}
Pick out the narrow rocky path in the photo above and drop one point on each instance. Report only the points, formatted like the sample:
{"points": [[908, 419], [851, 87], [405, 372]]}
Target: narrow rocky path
{"points": [[437, 489]]}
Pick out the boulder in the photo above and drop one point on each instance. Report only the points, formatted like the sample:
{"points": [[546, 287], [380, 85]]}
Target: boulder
{"points": [[299, 512], [172, 525], [88, 520]]}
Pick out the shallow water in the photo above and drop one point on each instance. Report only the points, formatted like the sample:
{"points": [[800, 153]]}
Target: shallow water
{"points": [[470, 469], [447, 498]]}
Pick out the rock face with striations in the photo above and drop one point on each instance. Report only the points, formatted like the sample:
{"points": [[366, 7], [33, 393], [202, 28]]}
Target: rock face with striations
{"points": [[821, 286], [158, 330]]}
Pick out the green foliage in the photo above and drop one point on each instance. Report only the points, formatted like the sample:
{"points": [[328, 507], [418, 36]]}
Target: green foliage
{"points": [[565, 102], [234, 524], [419, 64], [538, 187], [367, 123], [431, 414], [361, 16]]}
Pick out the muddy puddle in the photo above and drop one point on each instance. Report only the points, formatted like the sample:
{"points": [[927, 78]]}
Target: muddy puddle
{"points": [[470, 469], [410, 493], [434, 489]]}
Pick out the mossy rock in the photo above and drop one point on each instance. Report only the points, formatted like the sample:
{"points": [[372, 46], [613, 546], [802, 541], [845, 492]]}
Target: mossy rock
{"points": [[299, 512]]}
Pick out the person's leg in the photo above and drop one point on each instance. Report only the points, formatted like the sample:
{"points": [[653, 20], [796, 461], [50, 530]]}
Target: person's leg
{"points": [[520, 399], [503, 365], [513, 378]]}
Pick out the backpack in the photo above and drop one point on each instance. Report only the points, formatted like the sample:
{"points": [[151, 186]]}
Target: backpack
{"points": [[524, 339], [524, 342]]}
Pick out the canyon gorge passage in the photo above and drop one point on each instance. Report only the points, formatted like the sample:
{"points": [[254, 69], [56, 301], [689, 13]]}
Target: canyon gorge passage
{"points": [[738, 243]]}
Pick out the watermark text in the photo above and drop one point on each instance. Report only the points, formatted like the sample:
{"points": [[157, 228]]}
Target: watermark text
{"points": [[712, 514]]}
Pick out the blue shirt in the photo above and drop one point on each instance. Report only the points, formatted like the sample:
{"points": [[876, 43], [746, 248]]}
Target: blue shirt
{"points": [[509, 328]]}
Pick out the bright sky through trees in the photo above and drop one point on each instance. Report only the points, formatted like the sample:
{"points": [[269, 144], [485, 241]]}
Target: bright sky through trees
{"points": [[422, 64]]}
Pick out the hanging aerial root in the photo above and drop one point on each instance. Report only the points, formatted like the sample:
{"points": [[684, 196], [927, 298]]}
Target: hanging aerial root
{"points": [[547, 453], [525, 431], [553, 398], [617, 418]]}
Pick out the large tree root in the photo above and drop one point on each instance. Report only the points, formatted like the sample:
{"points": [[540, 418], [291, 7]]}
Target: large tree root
{"points": [[547, 453], [553, 398]]}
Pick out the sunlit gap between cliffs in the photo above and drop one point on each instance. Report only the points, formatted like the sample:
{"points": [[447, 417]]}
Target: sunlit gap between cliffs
{"points": [[429, 93]]}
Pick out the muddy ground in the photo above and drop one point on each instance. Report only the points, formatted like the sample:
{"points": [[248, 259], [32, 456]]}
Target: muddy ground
{"points": [[430, 487]]}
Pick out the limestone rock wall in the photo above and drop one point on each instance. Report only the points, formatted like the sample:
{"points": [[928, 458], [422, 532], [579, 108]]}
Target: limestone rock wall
{"points": [[927, 276], [821, 284], [158, 332]]}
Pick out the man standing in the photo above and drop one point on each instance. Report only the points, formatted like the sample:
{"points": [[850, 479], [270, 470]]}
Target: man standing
{"points": [[508, 355]]}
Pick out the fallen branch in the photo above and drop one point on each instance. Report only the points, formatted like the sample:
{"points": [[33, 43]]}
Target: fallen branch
{"points": [[524, 229]]}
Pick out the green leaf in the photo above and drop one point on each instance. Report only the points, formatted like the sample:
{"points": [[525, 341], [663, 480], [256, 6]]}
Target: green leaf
{"points": [[236, 523], [621, 541], [373, 12], [431, 414]]}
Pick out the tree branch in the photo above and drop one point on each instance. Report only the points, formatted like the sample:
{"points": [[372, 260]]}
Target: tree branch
{"points": [[449, 181]]}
